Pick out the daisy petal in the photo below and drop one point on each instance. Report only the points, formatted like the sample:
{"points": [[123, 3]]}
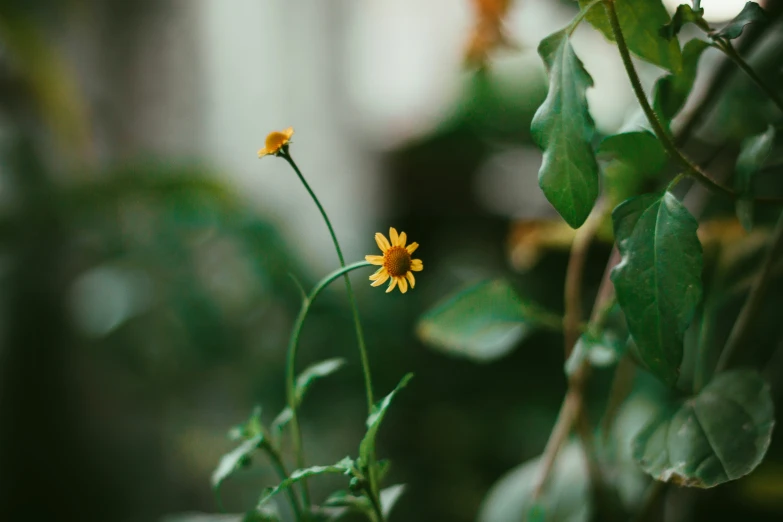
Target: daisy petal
{"points": [[383, 243], [392, 285], [403, 284], [289, 132], [375, 260], [403, 238], [411, 279], [417, 265], [412, 247], [262, 152], [393, 236], [382, 279], [378, 273]]}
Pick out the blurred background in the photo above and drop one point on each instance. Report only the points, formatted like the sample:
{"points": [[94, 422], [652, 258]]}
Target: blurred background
{"points": [[145, 250]]}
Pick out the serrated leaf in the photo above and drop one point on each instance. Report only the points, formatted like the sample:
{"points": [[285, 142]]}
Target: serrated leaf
{"points": [[483, 322], [235, 459], [565, 499], [671, 91], [719, 435], [753, 153], [389, 497], [658, 280], [627, 161], [344, 467], [640, 23], [751, 13], [303, 382], [683, 15], [563, 128], [367, 445]]}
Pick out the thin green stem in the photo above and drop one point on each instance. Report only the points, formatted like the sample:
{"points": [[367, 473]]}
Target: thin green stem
{"points": [[662, 134], [731, 52], [279, 467], [293, 344], [755, 298], [580, 16]]}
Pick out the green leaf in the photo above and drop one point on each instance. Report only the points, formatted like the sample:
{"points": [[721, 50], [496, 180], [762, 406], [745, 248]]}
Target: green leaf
{"points": [[641, 23], [563, 128], [249, 429], [565, 499], [344, 467], [303, 382], [235, 459], [601, 349], [752, 12], [483, 322], [628, 160], [389, 497], [753, 154], [684, 15], [367, 445], [658, 281], [719, 435], [671, 90]]}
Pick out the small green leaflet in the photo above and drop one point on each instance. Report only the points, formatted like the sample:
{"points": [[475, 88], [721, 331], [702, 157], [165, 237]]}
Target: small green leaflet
{"points": [[235, 459], [719, 435], [753, 154], [344, 467], [641, 22], [367, 445], [684, 15], [658, 280], [671, 90], [752, 12], [563, 128], [303, 382], [483, 322]]}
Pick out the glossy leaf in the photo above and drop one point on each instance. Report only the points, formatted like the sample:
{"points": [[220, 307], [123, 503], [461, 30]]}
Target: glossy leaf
{"points": [[684, 14], [235, 459], [367, 445], [751, 13], [753, 154], [627, 161], [344, 467], [641, 23], [658, 281], [303, 382], [565, 499], [563, 128], [483, 322], [719, 435], [671, 90]]}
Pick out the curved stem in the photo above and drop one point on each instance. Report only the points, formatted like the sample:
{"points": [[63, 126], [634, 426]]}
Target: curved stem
{"points": [[731, 52], [279, 467], [661, 133], [753, 303], [293, 344]]}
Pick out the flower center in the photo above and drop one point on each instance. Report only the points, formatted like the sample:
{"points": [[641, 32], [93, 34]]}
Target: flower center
{"points": [[275, 140], [397, 261]]}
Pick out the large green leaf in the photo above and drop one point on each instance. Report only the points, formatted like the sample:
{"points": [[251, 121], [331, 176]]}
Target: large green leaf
{"points": [[685, 14], [641, 22], [563, 128], [235, 459], [719, 435], [658, 280], [753, 154], [344, 467], [627, 161], [565, 499], [483, 322], [752, 12], [671, 90], [367, 445]]}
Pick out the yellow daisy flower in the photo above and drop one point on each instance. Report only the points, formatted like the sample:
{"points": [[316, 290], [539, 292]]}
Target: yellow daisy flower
{"points": [[275, 141], [396, 262]]}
